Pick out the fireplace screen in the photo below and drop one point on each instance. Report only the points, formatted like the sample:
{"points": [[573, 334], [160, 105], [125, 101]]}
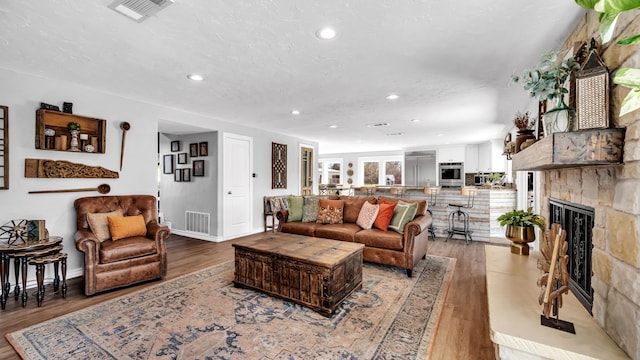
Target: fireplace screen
{"points": [[577, 220]]}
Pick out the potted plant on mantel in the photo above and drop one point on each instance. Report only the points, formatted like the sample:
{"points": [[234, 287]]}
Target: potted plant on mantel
{"points": [[547, 82], [520, 228], [524, 122]]}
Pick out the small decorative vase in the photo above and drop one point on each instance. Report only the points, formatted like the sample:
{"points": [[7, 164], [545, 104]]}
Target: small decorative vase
{"points": [[73, 144], [522, 136], [559, 119], [520, 236]]}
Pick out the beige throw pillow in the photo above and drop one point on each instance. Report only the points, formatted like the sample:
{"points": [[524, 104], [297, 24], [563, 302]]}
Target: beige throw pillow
{"points": [[99, 224], [367, 215]]}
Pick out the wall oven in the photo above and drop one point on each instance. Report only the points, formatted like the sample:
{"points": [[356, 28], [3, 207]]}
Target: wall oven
{"points": [[451, 174]]}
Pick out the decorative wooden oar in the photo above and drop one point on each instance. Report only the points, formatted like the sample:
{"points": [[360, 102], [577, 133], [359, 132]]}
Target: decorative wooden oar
{"points": [[102, 189], [125, 126]]}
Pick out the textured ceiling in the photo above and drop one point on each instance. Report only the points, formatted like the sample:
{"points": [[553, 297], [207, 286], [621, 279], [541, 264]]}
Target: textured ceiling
{"points": [[450, 62]]}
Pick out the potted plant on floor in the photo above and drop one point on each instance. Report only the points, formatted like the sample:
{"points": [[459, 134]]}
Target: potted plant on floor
{"points": [[520, 228], [547, 82]]}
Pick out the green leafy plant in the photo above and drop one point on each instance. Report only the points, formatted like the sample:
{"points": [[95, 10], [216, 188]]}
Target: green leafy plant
{"points": [[608, 12], [521, 218], [73, 126], [547, 80]]}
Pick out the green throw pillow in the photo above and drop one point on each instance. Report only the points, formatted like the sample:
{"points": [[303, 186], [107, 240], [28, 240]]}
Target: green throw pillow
{"points": [[295, 208], [402, 214]]}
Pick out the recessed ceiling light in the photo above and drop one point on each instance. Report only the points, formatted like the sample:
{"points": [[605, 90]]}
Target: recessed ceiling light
{"points": [[415, 120], [195, 77], [326, 33], [295, 112], [392, 96], [441, 134], [333, 126]]}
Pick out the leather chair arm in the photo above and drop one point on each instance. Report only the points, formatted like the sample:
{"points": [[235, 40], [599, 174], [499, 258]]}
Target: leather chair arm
{"points": [[87, 242], [419, 224], [282, 216], [157, 231]]}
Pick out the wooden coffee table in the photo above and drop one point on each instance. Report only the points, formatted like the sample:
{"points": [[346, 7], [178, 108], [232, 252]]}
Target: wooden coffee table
{"points": [[314, 272]]}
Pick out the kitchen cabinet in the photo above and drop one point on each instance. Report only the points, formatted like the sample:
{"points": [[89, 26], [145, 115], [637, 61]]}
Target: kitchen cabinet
{"points": [[484, 157], [490, 157], [451, 154], [471, 159]]}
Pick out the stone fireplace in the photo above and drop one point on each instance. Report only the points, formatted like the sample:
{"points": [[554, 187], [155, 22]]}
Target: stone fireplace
{"points": [[577, 221], [613, 193]]}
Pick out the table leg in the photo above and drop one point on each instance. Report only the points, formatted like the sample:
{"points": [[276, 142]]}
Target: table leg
{"points": [[40, 279], [56, 279], [64, 277], [4, 278], [16, 268], [25, 296]]}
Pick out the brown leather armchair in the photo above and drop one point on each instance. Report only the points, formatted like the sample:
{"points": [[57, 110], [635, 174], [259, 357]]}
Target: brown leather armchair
{"points": [[112, 264]]}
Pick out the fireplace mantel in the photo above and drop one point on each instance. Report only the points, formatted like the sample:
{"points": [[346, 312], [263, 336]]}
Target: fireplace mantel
{"points": [[595, 147], [514, 315]]}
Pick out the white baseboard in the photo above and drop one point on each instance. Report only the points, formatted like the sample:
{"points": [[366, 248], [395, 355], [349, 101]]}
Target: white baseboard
{"points": [[210, 237]]}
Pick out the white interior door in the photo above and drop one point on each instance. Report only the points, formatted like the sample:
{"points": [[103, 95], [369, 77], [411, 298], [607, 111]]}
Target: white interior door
{"points": [[237, 185]]}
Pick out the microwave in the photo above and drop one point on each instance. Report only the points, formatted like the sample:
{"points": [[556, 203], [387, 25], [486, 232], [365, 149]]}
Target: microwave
{"points": [[479, 179], [451, 174]]}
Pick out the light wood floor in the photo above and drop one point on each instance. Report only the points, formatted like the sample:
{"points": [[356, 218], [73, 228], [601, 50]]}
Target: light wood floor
{"points": [[464, 325]]}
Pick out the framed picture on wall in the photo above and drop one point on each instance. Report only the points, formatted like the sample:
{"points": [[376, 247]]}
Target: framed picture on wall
{"points": [[175, 146], [204, 148], [198, 167], [186, 174], [167, 164], [182, 158], [193, 150], [177, 175]]}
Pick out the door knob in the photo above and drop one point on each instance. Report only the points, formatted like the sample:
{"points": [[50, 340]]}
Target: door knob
{"points": [[229, 193]]}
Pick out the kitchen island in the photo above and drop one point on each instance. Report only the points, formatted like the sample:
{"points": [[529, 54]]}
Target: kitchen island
{"points": [[488, 204]]}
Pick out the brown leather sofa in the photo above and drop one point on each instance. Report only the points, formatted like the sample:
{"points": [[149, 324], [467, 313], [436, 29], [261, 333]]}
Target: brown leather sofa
{"points": [[113, 264], [382, 247]]}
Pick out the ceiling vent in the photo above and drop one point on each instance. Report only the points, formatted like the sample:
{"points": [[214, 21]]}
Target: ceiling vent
{"points": [[139, 10]]}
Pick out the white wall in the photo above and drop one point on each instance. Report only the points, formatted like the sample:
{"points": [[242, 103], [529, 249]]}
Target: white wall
{"points": [[23, 94]]}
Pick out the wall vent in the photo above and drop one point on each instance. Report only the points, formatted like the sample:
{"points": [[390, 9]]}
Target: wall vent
{"points": [[139, 10], [197, 222]]}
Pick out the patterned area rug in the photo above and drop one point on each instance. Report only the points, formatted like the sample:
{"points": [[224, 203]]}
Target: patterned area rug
{"points": [[203, 316]]}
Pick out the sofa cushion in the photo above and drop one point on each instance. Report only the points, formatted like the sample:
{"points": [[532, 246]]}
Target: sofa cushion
{"points": [[330, 211], [385, 213], [380, 239], [277, 204], [352, 206], [342, 232], [422, 204], [300, 228], [295, 208], [128, 248], [122, 227], [99, 224], [367, 215], [402, 214], [310, 208]]}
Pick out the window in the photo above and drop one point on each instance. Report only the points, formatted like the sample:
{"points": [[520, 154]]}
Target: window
{"points": [[371, 172], [384, 170], [330, 171]]}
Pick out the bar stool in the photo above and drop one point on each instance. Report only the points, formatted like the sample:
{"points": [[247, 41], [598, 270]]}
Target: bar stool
{"points": [[459, 219], [397, 191], [433, 192], [54, 259]]}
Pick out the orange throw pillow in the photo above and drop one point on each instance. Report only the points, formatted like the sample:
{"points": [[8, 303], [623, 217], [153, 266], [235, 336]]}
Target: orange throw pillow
{"points": [[126, 226], [385, 213]]}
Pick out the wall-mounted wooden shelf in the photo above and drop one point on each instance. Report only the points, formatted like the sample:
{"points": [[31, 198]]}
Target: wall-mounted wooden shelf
{"points": [[58, 121], [595, 147]]}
